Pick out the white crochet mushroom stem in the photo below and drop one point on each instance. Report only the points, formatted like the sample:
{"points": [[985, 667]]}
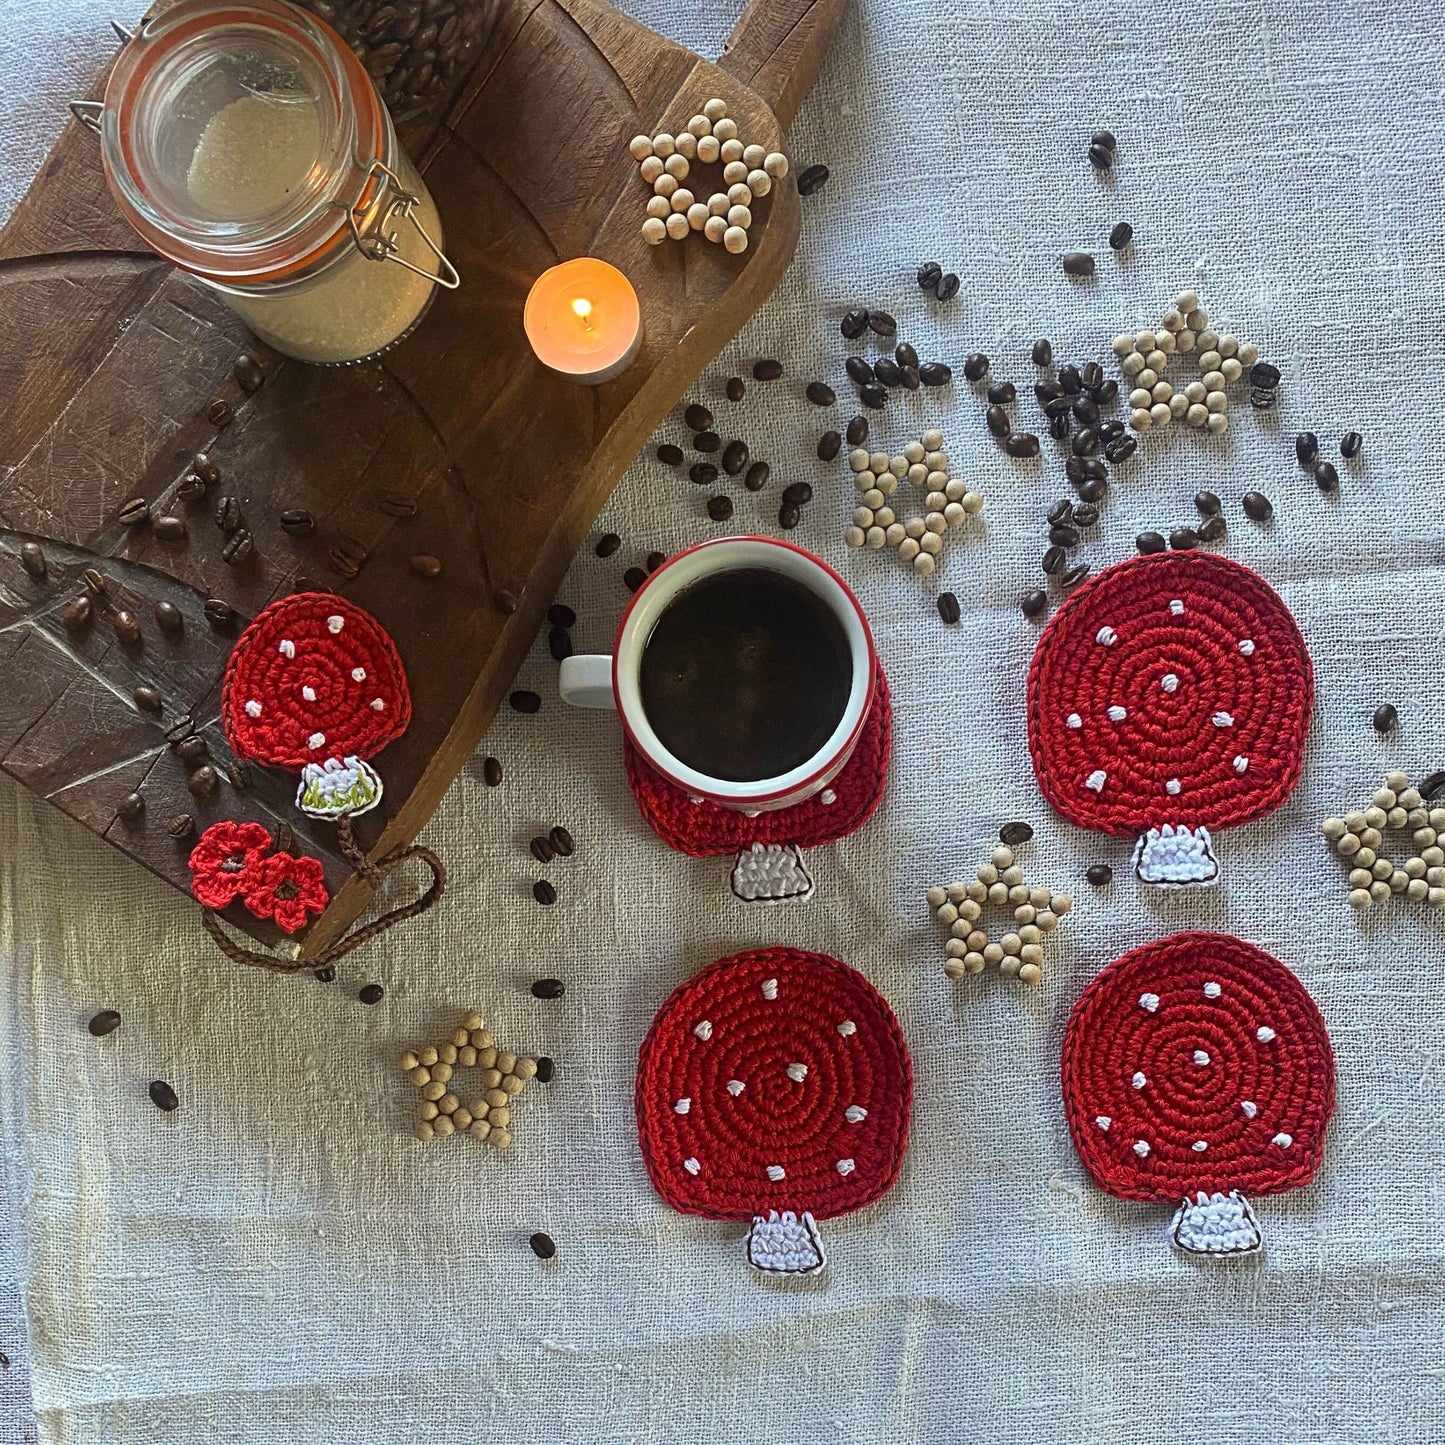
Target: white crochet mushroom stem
{"points": [[1176, 857], [338, 786], [770, 873], [1216, 1224], [785, 1243]]}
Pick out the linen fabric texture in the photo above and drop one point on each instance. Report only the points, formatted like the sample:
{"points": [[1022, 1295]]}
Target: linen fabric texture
{"points": [[279, 1260]]}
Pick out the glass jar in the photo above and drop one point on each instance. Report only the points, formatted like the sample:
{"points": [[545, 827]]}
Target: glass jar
{"points": [[245, 143]]}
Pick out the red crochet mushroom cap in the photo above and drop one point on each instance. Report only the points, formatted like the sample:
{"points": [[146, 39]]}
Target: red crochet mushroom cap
{"points": [[1173, 688], [1198, 1063], [313, 677], [774, 1080]]}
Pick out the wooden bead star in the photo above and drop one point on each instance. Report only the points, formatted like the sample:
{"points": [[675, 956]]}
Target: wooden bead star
{"points": [[1020, 951], [441, 1113], [1359, 838]]}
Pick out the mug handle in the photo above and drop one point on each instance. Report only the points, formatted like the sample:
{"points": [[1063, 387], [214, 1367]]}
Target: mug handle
{"points": [[586, 681]]}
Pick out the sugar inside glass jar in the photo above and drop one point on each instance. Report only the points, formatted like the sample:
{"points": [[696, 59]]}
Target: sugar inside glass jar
{"points": [[247, 145]]}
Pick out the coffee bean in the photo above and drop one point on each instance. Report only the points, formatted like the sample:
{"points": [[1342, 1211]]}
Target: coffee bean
{"points": [[396, 504], [1099, 874], [192, 748], [147, 698], [127, 626], [669, 455], [1207, 503], [1387, 718], [1183, 539], [706, 442], [163, 1096], [240, 545], [1086, 411], [857, 431], [370, 993], [561, 841], [703, 473], [1104, 138], [1106, 393], [789, 514], [607, 544], [1022, 444], [874, 396], [77, 614], [326, 974], [935, 373], [135, 513], [1085, 443], [767, 370], [238, 774], [634, 577], [1070, 380], [1078, 263], [1120, 236], [1121, 449], [1350, 445], [735, 390], [219, 413], [905, 354], [249, 375], [811, 179], [1062, 511], [948, 287], [425, 565], [1014, 835], [888, 372], [911, 379], [1263, 399], [1215, 529], [544, 893], [180, 730], [697, 417], [1061, 405], [1086, 515], [560, 615], [820, 393], [170, 529], [180, 825], [130, 807], [297, 521], [1043, 352], [107, 1021], [1064, 535], [543, 1245], [1264, 376], [1002, 393], [799, 492], [1150, 542], [720, 508], [882, 323], [1109, 430], [203, 782], [1060, 426], [1327, 479], [1306, 448], [285, 837], [829, 445], [559, 644], [948, 607], [523, 700], [997, 421], [734, 457], [757, 476], [1257, 507], [491, 771], [975, 366], [930, 273], [32, 558], [218, 613], [541, 850], [653, 561], [1033, 603], [859, 370], [548, 988], [854, 323], [1054, 560], [1075, 575], [228, 513], [1094, 491], [1432, 786], [1091, 376], [1101, 158]]}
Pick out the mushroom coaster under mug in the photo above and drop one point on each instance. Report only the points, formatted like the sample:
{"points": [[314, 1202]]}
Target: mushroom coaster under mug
{"points": [[769, 867], [774, 1088]]}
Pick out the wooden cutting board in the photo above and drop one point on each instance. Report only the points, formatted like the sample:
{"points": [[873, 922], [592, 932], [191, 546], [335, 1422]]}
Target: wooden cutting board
{"points": [[110, 363]]}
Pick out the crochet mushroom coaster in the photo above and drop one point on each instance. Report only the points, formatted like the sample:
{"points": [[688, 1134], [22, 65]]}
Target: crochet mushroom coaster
{"points": [[769, 865], [1169, 696], [1198, 1069], [774, 1087]]}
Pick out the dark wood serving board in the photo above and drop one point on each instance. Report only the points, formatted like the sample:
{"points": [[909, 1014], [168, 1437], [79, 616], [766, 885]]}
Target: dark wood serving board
{"points": [[110, 361]]}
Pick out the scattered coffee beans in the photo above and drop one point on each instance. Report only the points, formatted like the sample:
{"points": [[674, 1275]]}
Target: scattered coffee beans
{"points": [[396, 504], [1327, 478], [559, 643], [854, 323], [1350, 445], [203, 782], [767, 370], [1075, 575], [1257, 507], [799, 492], [371, 993], [543, 1245], [888, 371], [670, 455], [78, 613], [1183, 539], [560, 615], [997, 421], [1099, 874], [425, 565], [1387, 718], [1120, 236], [930, 273], [857, 432], [169, 619], [127, 626], [298, 522], [180, 825], [544, 893], [1043, 352], [219, 413], [107, 1021], [821, 394], [734, 457], [607, 544], [1054, 560], [948, 607], [882, 323], [1033, 603], [561, 841], [948, 287], [163, 1096], [1101, 158], [238, 774], [703, 473], [697, 417], [634, 577], [811, 179], [1022, 444], [135, 513], [1013, 835], [1002, 393], [525, 701], [1078, 263], [491, 771], [757, 476], [249, 375], [859, 370], [1306, 448], [1214, 529], [735, 390], [1207, 503], [975, 366], [789, 515], [829, 445], [170, 529], [240, 545], [720, 508], [706, 442], [147, 698], [548, 988], [873, 396], [131, 807], [935, 373], [1150, 542]]}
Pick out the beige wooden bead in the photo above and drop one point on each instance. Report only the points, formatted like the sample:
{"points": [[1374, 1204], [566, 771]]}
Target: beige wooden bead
{"points": [[461, 1118], [937, 896], [1218, 423], [441, 1072], [715, 229], [449, 1103], [775, 163], [1009, 966], [666, 184], [496, 1098], [1359, 898], [697, 215], [954, 514], [754, 156], [1161, 391], [687, 145], [1228, 345], [1198, 322], [466, 1056], [1132, 364], [427, 1110], [1186, 301], [915, 452], [932, 440], [1011, 943], [663, 144], [486, 1057], [972, 503], [1197, 415], [434, 1091], [759, 182], [874, 498], [988, 872], [1360, 878], [1139, 398], [447, 1053], [1024, 914], [1209, 360], [936, 461], [714, 110], [1046, 921], [1160, 414], [500, 1139], [654, 231], [1173, 321], [1032, 952], [1372, 836], [998, 892], [1230, 369], [954, 968], [1416, 889], [491, 1078], [884, 517], [479, 1129], [659, 206], [471, 1020], [1380, 892], [1146, 378], [499, 1118], [969, 910], [682, 198], [863, 517], [1399, 881], [908, 549], [735, 240], [1122, 345], [853, 536], [1435, 876], [677, 166], [936, 501], [1248, 353], [1178, 405], [1415, 867], [978, 891], [709, 149], [1185, 340], [992, 953], [977, 939], [1144, 340], [408, 1061], [1365, 858], [699, 125], [1165, 342], [732, 150], [420, 1075], [879, 462], [875, 537], [1061, 903], [1030, 934], [1216, 402], [1334, 829], [946, 912], [1382, 868], [924, 564], [482, 1038], [733, 172], [424, 1130], [1383, 798], [640, 146], [1156, 360], [725, 129], [1213, 381], [1031, 973], [932, 544], [427, 1056], [740, 216], [458, 1038], [1436, 898], [506, 1062], [1012, 875], [935, 481], [677, 227], [1140, 420], [652, 168], [738, 195]]}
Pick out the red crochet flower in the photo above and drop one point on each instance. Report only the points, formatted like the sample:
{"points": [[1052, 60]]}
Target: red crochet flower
{"points": [[224, 861], [285, 889]]}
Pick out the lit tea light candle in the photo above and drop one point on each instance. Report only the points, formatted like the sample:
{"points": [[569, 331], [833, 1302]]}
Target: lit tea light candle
{"points": [[583, 321]]}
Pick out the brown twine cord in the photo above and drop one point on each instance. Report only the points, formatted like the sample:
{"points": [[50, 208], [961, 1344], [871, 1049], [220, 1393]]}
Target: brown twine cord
{"points": [[374, 874]]}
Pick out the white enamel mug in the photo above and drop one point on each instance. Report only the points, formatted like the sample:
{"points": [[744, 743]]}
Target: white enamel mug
{"points": [[615, 681]]}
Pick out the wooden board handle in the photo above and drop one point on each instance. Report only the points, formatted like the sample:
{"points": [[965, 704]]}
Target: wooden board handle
{"points": [[778, 47]]}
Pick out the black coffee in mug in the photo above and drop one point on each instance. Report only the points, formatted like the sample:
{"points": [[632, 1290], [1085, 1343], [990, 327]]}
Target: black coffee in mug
{"points": [[746, 675]]}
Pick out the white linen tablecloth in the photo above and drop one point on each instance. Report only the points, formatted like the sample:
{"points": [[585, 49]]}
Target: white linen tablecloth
{"points": [[279, 1261]]}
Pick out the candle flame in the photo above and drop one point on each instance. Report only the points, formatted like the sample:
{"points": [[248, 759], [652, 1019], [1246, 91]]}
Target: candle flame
{"points": [[582, 306]]}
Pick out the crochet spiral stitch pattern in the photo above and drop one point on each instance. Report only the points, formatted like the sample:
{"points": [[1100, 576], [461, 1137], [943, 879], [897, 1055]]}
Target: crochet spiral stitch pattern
{"points": [[1198, 1067], [774, 1086]]}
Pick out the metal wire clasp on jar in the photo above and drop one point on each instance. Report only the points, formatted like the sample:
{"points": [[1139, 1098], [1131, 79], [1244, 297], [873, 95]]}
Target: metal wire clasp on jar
{"points": [[247, 145]]}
